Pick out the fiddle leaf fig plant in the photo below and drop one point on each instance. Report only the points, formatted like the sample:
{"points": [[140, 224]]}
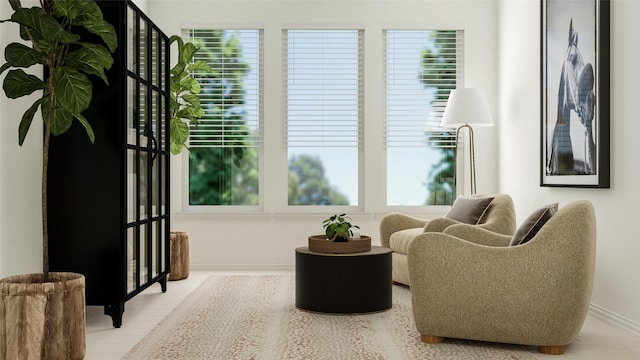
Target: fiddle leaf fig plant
{"points": [[338, 228], [53, 38], [185, 103]]}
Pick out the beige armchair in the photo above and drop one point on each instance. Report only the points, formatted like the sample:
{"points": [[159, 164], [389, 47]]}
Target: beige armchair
{"points": [[397, 230], [537, 293]]}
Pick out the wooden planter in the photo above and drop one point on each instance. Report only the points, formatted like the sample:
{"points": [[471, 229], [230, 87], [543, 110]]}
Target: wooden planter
{"points": [[179, 268], [41, 320], [319, 243]]}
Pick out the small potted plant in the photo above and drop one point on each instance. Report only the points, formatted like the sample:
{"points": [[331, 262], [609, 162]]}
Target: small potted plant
{"points": [[338, 229], [339, 237]]}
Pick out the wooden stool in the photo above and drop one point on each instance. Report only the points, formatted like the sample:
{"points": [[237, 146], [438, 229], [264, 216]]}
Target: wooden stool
{"points": [[179, 256]]}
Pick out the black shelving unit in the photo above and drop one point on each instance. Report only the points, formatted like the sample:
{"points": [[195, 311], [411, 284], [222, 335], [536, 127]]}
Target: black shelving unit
{"points": [[109, 201]]}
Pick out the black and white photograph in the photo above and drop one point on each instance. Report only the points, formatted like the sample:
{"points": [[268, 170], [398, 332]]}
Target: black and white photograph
{"points": [[575, 119]]}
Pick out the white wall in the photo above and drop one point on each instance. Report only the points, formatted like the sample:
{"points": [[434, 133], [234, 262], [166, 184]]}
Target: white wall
{"points": [[617, 284], [142, 5], [20, 169], [268, 240]]}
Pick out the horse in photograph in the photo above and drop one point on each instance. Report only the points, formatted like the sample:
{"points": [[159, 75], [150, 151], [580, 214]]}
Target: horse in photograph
{"points": [[576, 92]]}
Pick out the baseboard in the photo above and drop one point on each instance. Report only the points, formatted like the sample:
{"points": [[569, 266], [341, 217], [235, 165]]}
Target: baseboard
{"points": [[242, 267], [614, 318]]}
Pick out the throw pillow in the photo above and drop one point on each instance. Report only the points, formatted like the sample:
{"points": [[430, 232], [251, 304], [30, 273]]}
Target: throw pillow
{"points": [[469, 210], [530, 227]]}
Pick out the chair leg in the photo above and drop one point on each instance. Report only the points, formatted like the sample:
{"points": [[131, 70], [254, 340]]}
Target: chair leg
{"points": [[430, 339], [552, 350]]}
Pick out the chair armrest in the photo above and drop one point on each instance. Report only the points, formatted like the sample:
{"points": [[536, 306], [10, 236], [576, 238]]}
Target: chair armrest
{"points": [[478, 235], [393, 222], [439, 224]]}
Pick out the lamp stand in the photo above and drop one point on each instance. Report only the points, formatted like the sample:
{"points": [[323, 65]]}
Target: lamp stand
{"points": [[472, 159]]}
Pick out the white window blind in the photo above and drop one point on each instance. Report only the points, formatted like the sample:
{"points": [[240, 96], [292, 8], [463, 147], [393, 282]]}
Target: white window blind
{"points": [[323, 88], [417, 94], [233, 112]]}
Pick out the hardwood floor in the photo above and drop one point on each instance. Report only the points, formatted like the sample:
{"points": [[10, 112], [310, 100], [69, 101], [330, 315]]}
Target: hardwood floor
{"points": [[599, 339]]}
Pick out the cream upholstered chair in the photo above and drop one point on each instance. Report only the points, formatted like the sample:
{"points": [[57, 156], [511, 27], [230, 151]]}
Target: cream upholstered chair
{"points": [[535, 293], [397, 230]]}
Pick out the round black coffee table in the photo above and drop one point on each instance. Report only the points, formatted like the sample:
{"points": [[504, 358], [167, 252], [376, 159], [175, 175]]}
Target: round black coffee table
{"points": [[343, 283]]}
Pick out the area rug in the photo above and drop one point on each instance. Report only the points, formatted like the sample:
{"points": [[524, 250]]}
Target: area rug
{"points": [[254, 317]]}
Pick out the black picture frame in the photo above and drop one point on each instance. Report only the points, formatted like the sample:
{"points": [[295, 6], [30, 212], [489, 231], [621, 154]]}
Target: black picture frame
{"points": [[575, 114]]}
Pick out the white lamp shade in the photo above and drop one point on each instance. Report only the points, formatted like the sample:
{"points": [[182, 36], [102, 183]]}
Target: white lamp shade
{"points": [[466, 106]]}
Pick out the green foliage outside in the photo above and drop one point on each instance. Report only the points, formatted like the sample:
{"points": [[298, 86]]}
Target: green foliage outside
{"points": [[308, 184], [442, 81], [230, 175], [223, 175]]}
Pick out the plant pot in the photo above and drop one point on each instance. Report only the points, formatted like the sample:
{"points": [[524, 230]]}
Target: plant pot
{"points": [[320, 243], [42, 320], [179, 269]]}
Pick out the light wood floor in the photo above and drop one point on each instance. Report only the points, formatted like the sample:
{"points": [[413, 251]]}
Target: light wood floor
{"points": [[599, 339]]}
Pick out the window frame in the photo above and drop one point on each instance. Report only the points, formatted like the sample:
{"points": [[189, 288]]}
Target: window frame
{"points": [[359, 207], [273, 201], [433, 118], [185, 178]]}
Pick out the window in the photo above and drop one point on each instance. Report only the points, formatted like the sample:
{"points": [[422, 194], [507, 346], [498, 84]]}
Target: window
{"points": [[422, 67], [324, 115], [225, 147]]}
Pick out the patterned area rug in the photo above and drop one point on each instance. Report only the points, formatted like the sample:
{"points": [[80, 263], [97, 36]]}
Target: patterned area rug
{"points": [[254, 317]]}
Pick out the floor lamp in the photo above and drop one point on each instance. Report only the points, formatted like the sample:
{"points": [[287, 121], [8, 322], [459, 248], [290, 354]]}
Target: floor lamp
{"points": [[466, 108]]}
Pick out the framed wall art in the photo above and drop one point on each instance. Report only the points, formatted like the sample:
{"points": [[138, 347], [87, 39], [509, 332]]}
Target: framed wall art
{"points": [[575, 93]]}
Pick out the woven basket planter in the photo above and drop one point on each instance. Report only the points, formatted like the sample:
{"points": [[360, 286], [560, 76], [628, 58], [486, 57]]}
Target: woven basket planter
{"points": [[42, 320]]}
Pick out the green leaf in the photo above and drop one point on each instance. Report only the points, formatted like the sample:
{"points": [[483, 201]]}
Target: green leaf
{"points": [[92, 59], [18, 83], [20, 55], [101, 28], [15, 4], [192, 99], [176, 71], [191, 84], [90, 17], [185, 114], [179, 131], [25, 36], [189, 112], [199, 66], [177, 38], [67, 8], [188, 51], [174, 105], [43, 26], [238, 153], [4, 67], [177, 148], [87, 127], [72, 89], [61, 120], [25, 123]]}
